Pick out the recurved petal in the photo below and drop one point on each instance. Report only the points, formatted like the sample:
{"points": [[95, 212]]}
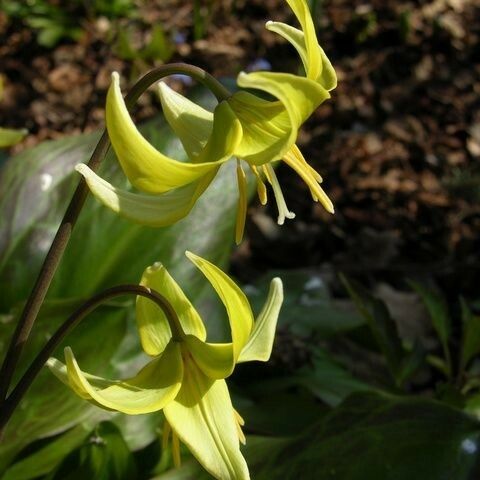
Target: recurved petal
{"points": [[202, 415], [227, 134], [236, 303], [216, 360], [327, 76], [314, 60], [145, 167], [152, 324], [300, 96], [190, 122], [205, 136], [266, 128], [150, 390], [260, 343], [152, 210], [270, 128], [302, 12]]}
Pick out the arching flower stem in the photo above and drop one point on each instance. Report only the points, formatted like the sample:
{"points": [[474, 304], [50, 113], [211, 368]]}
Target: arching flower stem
{"points": [[62, 237], [72, 321]]}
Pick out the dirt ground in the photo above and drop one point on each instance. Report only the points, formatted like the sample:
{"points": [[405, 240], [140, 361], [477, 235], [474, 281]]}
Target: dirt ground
{"points": [[398, 144]]}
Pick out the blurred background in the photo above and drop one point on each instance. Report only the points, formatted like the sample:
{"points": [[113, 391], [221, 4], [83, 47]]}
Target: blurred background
{"points": [[398, 146]]}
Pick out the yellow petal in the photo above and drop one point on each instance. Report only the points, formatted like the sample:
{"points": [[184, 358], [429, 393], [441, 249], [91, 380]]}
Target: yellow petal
{"points": [[147, 168], [260, 343], [238, 309], [152, 210], [216, 360], [150, 390], [316, 63], [202, 415], [152, 324], [271, 128], [266, 128], [300, 96], [190, 122], [242, 204]]}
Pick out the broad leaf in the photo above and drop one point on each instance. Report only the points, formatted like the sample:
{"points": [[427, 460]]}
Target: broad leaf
{"points": [[105, 455], [49, 407], [471, 335], [382, 438], [438, 310], [42, 461], [381, 324], [322, 376], [307, 307], [369, 436]]}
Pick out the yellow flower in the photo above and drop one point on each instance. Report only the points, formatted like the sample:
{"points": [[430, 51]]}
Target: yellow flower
{"points": [[252, 129], [186, 376]]}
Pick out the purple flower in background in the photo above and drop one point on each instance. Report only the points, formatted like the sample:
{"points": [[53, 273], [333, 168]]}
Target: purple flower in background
{"points": [[259, 64]]}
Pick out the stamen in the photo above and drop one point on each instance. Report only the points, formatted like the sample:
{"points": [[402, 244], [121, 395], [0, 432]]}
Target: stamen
{"points": [[167, 429], [261, 187], [242, 204], [295, 151], [283, 211], [239, 422], [266, 172], [239, 418], [304, 173], [295, 160], [177, 460]]}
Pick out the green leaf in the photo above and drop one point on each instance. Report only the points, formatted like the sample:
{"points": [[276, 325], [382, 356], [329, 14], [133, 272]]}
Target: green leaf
{"points": [[380, 323], [325, 378], [123, 47], [471, 335], [104, 456], [42, 461], [438, 311], [307, 307], [49, 407], [279, 413], [329, 381], [412, 362], [160, 46], [369, 436], [380, 437]]}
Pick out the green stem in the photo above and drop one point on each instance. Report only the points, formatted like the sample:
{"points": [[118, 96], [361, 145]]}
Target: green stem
{"points": [[62, 237], [29, 376]]}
